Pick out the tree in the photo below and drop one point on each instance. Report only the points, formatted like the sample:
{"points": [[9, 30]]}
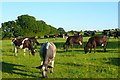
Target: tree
{"points": [[53, 30], [28, 24], [61, 30], [7, 29], [45, 29]]}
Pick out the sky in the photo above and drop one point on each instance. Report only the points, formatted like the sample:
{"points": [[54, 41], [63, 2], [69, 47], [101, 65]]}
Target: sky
{"points": [[68, 15]]}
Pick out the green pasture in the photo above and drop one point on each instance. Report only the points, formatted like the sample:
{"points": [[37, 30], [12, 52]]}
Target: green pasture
{"points": [[70, 64]]}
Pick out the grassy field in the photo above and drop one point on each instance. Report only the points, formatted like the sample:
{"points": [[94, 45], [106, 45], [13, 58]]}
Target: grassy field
{"points": [[70, 64]]}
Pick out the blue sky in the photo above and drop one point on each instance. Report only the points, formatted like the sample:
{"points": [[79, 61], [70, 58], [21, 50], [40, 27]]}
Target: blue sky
{"points": [[69, 15]]}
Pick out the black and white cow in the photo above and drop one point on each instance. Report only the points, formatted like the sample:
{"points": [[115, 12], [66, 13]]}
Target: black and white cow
{"points": [[24, 43], [47, 54]]}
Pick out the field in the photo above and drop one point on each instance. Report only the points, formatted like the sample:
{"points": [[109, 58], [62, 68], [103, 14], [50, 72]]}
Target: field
{"points": [[70, 64]]}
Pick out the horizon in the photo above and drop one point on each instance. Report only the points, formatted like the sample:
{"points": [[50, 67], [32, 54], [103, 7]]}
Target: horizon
{"points": [[75, 16]]}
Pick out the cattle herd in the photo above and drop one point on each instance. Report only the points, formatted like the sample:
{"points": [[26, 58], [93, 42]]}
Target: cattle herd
{"points": [[48, 49]]}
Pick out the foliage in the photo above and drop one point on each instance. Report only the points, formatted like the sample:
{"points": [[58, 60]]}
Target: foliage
{"points": [[26, 26], [61, 30]]}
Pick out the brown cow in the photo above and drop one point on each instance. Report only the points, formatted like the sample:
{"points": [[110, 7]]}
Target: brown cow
{"points": [[96, 41], [74, 40]]}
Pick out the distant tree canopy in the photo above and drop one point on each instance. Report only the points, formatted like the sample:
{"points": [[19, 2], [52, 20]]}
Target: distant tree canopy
{"points": [[27, 26], [61, 30]]}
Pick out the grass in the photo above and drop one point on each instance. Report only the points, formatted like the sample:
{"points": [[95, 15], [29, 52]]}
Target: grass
{"points": [[70, 64]]}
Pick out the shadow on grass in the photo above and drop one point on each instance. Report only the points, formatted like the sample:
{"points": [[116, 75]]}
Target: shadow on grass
{"points": [[82, 51], [114, 61], [70, 51], [69, 64], [10, 68], [107, 51]]}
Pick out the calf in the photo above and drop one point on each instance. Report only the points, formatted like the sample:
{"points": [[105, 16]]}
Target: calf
{"points": [[47, 54], [73, 40], [23, 43], [96, 41]]}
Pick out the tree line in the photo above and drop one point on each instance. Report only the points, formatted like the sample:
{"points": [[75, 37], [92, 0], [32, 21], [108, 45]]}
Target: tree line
{"points": [[27, 26]]}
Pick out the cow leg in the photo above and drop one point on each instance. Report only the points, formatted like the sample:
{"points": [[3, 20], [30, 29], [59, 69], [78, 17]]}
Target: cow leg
{"points": [[41, 62], [90, 49], [94, 46], [15, 49], [24, 50], [29, 51], [52, 66], [78, 45], [71, 46], [94, 49], [82, 44], [52, 63], [104, 48]]}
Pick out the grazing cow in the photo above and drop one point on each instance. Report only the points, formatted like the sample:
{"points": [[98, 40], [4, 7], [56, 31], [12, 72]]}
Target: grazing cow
{"points": [[76, 33], [96, 41], [110, 34], [73, 40], [89, 33], [61, 36], [115, 34], [105, 32], [47, 54], [24, 43], [46, 36], [51, 36]]}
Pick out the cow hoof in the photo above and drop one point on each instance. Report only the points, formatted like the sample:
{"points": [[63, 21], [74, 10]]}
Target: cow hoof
{"points": [[15, 55], [51, 71], [44, 76]]}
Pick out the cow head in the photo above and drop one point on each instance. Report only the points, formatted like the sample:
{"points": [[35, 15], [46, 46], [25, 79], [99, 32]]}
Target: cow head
{"points": [[86, 48], [33, 52], [44, 69]]}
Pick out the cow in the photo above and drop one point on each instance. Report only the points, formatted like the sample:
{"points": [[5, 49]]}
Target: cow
{"points": [[24, 43], [47, 54], [116, 34], [105, 32], [60, 36], [89, 33], [51, 36], [76, 33], [73, 40], [46, 36], [96, 41], [110, 34]]}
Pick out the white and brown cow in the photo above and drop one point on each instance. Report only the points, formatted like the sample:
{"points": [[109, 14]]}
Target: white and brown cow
{"points": [[23, 43], [47, 54]]}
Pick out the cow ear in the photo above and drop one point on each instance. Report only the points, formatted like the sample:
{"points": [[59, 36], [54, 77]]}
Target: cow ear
{"points": [[39, 67], [50, 67]]}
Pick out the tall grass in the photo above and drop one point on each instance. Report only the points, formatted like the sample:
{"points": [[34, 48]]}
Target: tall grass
{"points": [[70, 64]]}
